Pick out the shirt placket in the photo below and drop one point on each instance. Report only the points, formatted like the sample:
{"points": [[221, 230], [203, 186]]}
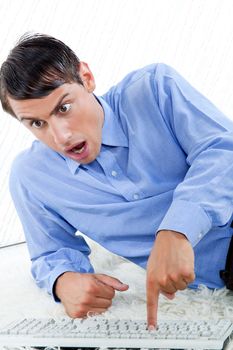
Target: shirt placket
{"points": [[117, 178]]}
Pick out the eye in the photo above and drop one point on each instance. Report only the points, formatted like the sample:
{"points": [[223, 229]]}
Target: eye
{"points": [[38, 124], [64, 108]]}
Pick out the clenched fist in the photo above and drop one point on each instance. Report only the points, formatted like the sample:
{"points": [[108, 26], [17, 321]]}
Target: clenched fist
{"points": [[83, 293]]}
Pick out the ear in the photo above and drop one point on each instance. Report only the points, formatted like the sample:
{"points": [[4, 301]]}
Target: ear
{"points": [[87, 77]]}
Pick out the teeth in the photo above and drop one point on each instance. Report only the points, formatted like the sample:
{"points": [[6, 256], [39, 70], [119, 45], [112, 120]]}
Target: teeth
{"points": [[78, 150]]}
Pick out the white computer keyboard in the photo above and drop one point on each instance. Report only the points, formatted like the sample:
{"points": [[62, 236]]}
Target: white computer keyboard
{"points": [[101, 332]]}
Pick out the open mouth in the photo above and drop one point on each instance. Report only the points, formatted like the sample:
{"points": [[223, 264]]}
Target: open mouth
{"points": [[79, 151], [78, 148]]}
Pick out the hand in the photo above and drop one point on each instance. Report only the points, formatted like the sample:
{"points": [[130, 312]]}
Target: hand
{"points": [[81, 293], [170, 268]]}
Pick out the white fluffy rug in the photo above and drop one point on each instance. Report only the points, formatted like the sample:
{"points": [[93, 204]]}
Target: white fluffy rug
{"points": [[20, 297]]}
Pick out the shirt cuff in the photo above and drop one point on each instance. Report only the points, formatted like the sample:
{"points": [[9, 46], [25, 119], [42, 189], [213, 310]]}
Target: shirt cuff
{"points": [[187, 218]]}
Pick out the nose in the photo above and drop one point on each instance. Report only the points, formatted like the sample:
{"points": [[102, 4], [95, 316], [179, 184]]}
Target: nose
{"points": [[60, 131]]}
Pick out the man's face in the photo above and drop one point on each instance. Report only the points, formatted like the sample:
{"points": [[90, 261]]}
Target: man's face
{"points": [[69, 120]]}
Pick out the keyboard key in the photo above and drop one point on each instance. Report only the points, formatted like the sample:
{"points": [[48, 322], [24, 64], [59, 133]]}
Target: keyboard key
{"points": [[101, 332]]}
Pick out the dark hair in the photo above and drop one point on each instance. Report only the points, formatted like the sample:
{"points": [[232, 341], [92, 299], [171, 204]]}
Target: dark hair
{"points": [[36, 66]]}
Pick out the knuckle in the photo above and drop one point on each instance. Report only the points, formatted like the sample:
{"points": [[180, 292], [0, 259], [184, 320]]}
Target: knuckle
{"points": [[188, 271], [82, 311], [109, 303], [192, 276], [183, 287], [174, 277], [90, 288], [86, 300], [75, 313], [163, 281], [70, 314]]}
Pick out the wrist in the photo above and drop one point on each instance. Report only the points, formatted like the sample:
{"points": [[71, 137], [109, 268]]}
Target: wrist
{"points": [[61, 281], [171, 233]]}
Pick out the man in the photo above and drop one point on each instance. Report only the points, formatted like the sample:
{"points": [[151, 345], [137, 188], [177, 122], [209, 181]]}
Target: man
{"points": [[145, 170]]}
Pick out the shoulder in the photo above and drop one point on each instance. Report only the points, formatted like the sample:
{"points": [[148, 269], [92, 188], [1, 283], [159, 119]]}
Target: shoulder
{"points": [[29, 157], [152, 70], [143, 78], [32, 162]]}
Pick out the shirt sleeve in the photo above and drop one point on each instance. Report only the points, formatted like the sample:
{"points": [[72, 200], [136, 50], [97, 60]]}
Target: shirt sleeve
{"points": [[204, 199], [53, 243]]}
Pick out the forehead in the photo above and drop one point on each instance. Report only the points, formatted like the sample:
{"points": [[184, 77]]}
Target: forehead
{"points": [[43, 106]]}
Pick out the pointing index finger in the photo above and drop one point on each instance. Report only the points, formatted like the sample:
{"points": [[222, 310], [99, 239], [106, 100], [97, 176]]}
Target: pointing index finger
{"points": [[152, 307]]}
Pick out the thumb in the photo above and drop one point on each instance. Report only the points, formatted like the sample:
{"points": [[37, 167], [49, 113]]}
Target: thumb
{"points": [[112, 282]]}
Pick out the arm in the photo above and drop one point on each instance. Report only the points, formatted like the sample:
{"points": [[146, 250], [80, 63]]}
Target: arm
{"points": [[60, 262], [204, 198]]}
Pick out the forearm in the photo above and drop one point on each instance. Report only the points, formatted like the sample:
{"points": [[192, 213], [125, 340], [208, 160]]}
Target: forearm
{"points": [[203, 198], [47, 269]]}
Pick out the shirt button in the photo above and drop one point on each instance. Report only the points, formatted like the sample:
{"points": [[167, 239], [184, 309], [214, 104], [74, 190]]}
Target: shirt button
{"points": [[114, 173], [136, 196], [200, 235]]}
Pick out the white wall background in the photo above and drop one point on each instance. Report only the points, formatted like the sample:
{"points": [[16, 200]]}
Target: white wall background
{"points": [[115, 37]]}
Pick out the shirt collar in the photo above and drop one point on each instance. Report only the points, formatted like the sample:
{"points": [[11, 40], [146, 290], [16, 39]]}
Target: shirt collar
{"points": [[112, 133]]}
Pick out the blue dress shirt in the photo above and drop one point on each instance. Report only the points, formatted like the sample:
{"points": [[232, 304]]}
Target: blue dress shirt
{"points": [[166, 162]]}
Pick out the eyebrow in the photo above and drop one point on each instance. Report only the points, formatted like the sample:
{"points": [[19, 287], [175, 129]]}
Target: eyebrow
{"points": [[53, 111]]}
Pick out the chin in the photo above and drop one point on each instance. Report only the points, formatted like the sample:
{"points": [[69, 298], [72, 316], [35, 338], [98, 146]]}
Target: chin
{"points": [[89, 159]]}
